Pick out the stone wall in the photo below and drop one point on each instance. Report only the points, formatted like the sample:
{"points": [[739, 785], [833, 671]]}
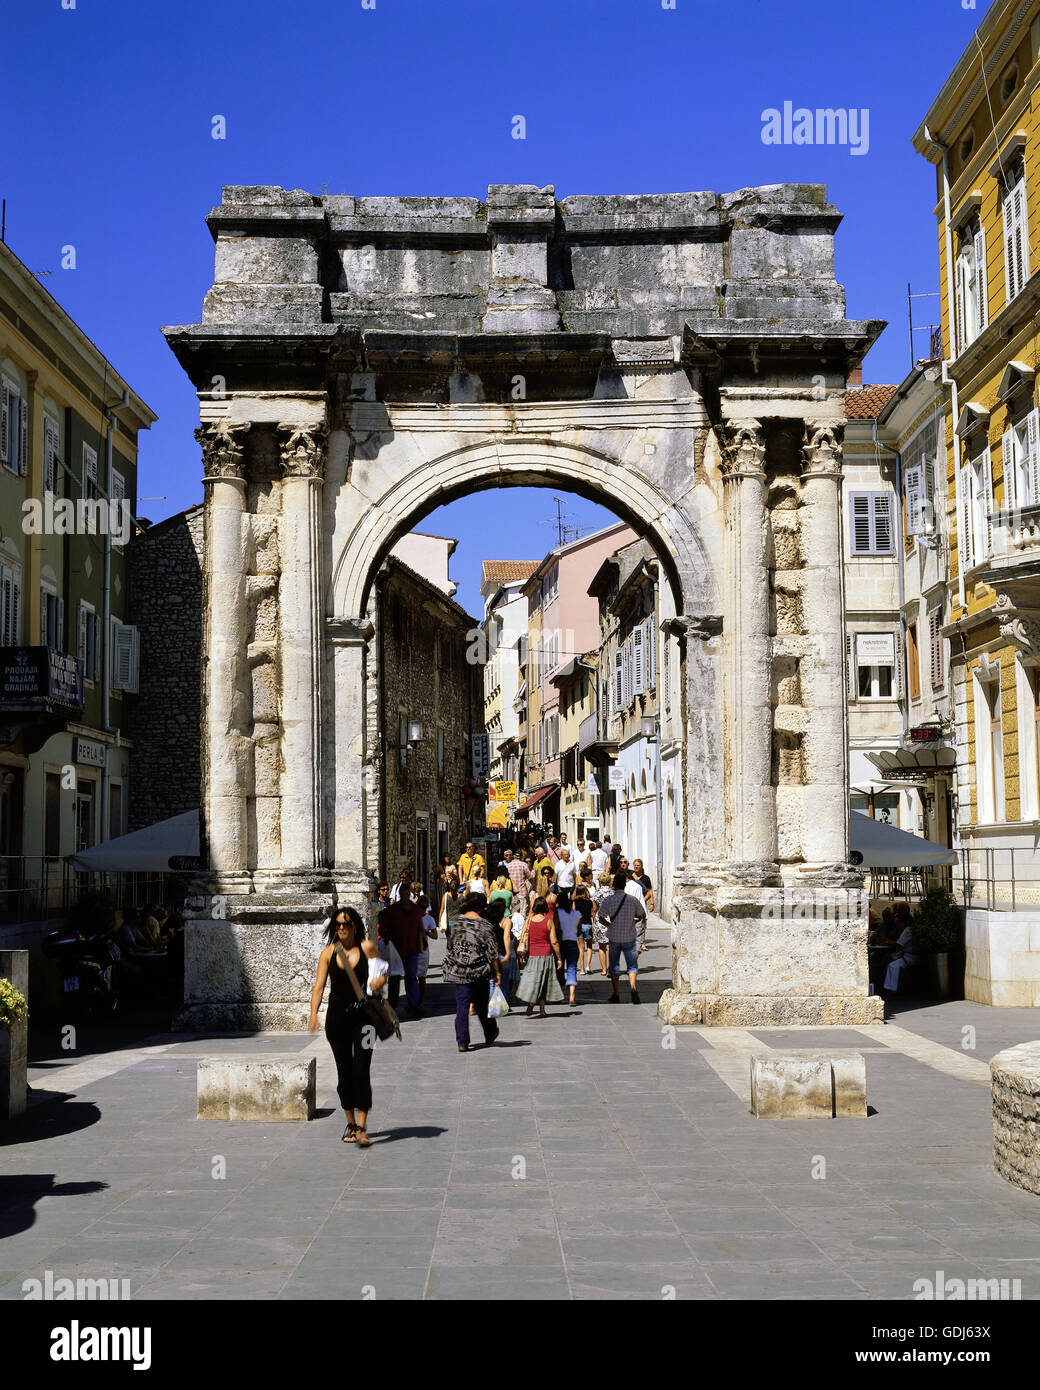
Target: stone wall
{"points": [[166, 607]]}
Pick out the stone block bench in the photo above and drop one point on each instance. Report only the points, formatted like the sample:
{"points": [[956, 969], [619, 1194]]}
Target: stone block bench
{"points": [[808, 1085], [260, 1086], [1016, 1115]]}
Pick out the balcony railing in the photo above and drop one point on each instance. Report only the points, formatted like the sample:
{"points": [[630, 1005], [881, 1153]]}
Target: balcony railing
{"points": [[588, 732], [1015, 532]]}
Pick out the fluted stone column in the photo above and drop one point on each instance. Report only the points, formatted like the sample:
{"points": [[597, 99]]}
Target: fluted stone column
{"points": [[825, 821], [226, 745], [750, 799], [301, 645]]}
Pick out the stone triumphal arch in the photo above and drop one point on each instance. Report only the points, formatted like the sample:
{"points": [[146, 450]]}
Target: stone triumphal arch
{"points": [[682, 358]]}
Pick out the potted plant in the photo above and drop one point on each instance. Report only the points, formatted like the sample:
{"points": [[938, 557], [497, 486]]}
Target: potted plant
{"points": [[13, 1013], [935, 926]]}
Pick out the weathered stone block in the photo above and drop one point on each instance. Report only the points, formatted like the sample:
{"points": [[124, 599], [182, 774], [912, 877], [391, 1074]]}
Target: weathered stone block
{"points": [[677, 1009], [263, 1087], [1016, 1115], [808, 1085]]}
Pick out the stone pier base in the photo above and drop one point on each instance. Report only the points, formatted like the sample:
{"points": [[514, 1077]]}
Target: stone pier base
{"points": [[749, 955], [250, 960]]}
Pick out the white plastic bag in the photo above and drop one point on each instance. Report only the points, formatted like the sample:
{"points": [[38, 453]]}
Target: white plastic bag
{"points": [[498, 1006]]}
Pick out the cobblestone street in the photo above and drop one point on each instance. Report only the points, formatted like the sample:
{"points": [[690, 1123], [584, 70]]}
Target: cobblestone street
{"points": [[583, 1156]]}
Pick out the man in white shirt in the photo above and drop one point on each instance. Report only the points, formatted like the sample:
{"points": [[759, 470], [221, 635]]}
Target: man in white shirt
{"points": [[598, 858], [565, 870]]}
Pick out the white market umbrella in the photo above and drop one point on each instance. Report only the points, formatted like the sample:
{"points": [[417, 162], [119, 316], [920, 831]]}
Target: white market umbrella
{"points": [[159, 848], [884, 846]]}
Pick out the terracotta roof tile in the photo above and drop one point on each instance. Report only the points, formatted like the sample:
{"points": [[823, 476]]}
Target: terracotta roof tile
{"points": [[508, 571], [867, 402]]}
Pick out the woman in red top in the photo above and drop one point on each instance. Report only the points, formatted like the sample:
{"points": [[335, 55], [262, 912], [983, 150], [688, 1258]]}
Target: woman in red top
{"points": [[538, 983]]}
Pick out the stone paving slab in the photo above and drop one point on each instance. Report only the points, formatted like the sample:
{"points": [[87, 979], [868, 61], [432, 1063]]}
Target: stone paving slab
{"points": [[591, 1161]]}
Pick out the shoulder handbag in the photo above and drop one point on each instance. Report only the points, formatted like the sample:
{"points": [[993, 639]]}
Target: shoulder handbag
{"points": [[376, 1012]]}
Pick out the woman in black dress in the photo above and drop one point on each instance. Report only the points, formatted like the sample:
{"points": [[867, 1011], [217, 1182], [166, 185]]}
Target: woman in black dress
{"points": [[351, 1041]]}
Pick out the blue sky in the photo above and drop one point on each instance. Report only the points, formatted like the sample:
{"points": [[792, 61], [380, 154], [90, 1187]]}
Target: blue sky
{"points": [[109, 149]]}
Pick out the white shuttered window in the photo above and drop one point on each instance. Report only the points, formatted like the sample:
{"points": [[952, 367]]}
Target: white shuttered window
{"points": [[870, 519], [1016, 243]]}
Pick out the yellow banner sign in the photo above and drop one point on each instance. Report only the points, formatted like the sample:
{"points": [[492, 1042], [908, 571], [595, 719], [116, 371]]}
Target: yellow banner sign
{"points": [[503, 791]]}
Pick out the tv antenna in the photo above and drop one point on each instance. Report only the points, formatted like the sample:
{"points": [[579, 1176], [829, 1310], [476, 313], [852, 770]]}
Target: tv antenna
{"points": [[567, 528]]}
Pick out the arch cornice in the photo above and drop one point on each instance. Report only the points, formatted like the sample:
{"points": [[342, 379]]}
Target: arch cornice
{"points": [[511, 460]]}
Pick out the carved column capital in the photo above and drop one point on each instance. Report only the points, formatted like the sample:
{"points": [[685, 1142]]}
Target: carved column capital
{"points": [[822, 449], [303, 450], [742, 445], [701, 627], [223, 449], [1018, 625]]}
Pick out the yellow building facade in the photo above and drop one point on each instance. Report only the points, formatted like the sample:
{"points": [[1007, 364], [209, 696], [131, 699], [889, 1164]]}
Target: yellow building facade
{"points": [[982, 134]]}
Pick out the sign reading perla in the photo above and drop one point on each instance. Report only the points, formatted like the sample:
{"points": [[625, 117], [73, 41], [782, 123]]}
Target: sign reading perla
{"points": [[40, 673]]}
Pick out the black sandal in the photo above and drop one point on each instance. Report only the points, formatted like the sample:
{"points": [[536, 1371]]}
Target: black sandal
{"points": [[362, 1139], [350, 1134]]}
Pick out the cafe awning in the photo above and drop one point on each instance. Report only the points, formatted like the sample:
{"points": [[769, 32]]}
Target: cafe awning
{"points": [[879, 845], [539, 795], [169, 846]]}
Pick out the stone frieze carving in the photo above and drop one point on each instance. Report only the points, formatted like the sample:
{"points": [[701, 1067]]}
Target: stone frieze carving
{"points": [[303, 450], [223, 449]]}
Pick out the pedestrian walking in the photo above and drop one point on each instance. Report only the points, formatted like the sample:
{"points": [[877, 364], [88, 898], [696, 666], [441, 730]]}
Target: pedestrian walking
{"points": [[583, 905], [401, 926], [470, 860], [429, 931], [566, 871], [604, 890], [350, 1037], [568, 920], [519, 874], [621, 913], [502, 889], [539, 949], [471, 962]]}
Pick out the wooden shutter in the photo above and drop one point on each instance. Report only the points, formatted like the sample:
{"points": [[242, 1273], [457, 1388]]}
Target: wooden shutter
{"points": [[5, 415], [638, 662], [651, 654], [59, 626], [962, 302], [81, 641], [935, 654], [965, 539], [860, 517], [16, 608], [50, 455], [23, 437], [986, 490], [851, 678], [981, 287], [882, 505], [913, 501], [1021, 245], [43, 616], [1032, 469], [1007, 453], [1009, 245], [89, 484], [619, 680], [5, 592]]}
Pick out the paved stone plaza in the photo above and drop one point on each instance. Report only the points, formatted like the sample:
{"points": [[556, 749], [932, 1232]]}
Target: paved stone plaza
{"points": [[644, 1171]]}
